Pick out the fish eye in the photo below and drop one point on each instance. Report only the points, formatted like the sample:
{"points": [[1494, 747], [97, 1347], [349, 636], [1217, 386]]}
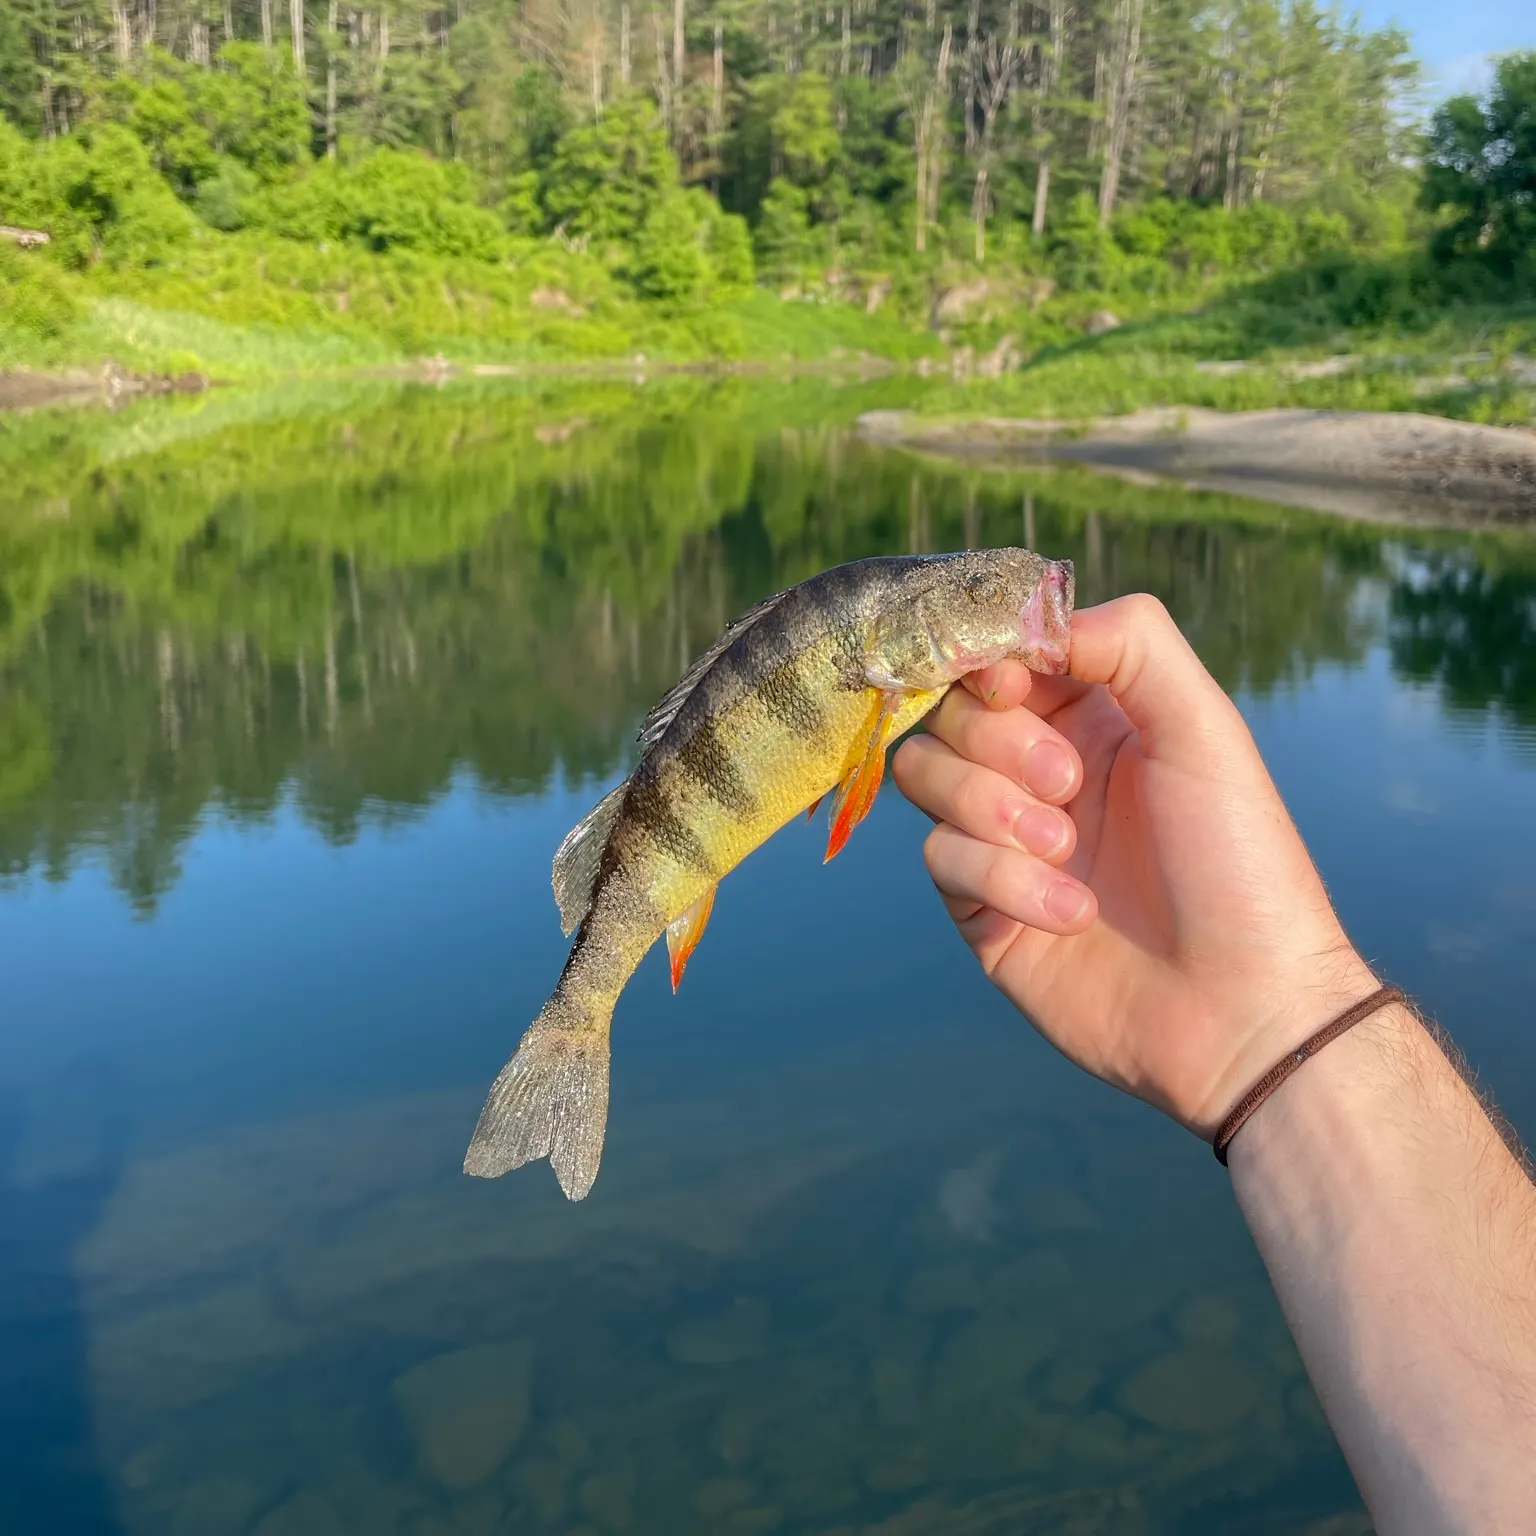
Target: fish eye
{"points": [[985, 588]]}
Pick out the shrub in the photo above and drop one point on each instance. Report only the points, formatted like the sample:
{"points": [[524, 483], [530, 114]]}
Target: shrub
{"points": [[389, 200], [669, 260], [34, 298]]}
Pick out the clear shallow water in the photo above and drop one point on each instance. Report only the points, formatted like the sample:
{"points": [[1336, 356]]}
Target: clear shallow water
{"points": [[292, 715]]}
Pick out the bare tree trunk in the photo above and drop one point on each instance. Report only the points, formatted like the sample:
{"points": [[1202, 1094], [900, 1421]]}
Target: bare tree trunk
{"points": [[331, 44], [921, 189], [972, 75], [296, 31], [1120, 86], [995, 68], [122, 31], [933, 140], [266, 23], [1271, 120], [197, 42], [1042, 113], [717, 106], [663, 74], [229, 21], [846, 58], [1042, 191], [624, 45], [677, 45]]}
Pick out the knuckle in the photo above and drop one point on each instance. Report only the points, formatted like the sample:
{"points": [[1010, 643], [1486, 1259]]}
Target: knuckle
{"points": [[1147, 612], [933, 851], [1003, 884], [976, 806]]}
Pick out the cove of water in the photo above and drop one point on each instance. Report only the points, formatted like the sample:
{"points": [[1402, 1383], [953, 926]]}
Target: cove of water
{"points": [[296, 700]]}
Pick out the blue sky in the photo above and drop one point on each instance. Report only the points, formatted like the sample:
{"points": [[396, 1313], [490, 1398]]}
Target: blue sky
{"points": [[1455, 40]]}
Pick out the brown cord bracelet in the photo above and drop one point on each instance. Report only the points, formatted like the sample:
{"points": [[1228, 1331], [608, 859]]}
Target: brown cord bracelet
{"points": [[1283, 1068]]}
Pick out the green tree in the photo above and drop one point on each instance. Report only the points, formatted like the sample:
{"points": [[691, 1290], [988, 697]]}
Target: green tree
{"points": [[1480, 166], [605, 177], [784, 244]]}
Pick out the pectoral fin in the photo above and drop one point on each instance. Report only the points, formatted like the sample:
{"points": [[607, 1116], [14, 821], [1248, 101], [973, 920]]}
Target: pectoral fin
{"points": [[856, 794], [685, 931]]}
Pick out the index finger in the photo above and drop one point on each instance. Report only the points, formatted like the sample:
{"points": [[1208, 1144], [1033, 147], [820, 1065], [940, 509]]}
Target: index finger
{"points": [[1003, 685]]}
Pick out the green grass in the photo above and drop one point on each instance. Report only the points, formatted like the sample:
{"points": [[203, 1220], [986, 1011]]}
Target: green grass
{"points": [[1454, 363]]}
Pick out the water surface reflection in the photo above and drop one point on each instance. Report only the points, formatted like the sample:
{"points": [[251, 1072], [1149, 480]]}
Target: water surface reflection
{"points": [[292, 714]]}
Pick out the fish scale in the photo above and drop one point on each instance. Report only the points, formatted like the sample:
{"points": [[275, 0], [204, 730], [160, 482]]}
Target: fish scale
{"points": [[800, 696]]}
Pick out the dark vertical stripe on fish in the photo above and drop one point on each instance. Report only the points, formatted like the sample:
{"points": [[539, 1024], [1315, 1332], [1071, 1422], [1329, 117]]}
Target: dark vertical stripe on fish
{"points": [[649, 807], [705, 759], [787, 698]]}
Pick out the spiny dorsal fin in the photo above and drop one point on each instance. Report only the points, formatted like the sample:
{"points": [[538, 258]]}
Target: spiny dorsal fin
{"points": [[655, 724], [578, 856]]}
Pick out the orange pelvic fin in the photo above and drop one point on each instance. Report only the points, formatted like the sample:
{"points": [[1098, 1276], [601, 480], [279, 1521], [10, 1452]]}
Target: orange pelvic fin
{"points": [[856, 793], [684, 933], [815, 806]]}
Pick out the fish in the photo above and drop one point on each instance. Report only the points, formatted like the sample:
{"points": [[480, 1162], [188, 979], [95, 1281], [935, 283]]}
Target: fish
{"points": [[798, 699]]}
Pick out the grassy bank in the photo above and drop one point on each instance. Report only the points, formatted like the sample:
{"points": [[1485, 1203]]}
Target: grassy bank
{"points": [[247, 309], [250, 310]]}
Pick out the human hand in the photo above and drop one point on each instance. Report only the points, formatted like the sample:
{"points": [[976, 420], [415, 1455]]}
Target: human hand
{"points": [[1119, 859]]}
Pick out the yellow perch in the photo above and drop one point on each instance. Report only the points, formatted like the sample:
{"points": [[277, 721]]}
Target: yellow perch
{"points": [[800, 696]]}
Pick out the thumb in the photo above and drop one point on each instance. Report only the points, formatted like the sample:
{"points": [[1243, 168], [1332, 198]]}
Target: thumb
{"points": [[1133, 647]]}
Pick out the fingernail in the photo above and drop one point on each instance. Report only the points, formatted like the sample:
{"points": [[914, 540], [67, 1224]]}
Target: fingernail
{"points": [[1066, 902], [1040, 830], [1048, 769]]}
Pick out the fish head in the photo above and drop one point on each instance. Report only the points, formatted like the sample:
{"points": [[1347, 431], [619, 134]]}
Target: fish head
{"points": [[985, 605]]}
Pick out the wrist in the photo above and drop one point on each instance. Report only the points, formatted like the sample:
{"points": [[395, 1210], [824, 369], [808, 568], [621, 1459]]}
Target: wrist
{"points": [[1297, 1008], [1341, 1109]]}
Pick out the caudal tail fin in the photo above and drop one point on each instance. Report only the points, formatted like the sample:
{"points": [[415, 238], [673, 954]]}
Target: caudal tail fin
{"points": [[550, 1100]]}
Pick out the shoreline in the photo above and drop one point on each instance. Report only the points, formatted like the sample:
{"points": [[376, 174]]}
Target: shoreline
{"points": [[1376, 466], [25, 389]]}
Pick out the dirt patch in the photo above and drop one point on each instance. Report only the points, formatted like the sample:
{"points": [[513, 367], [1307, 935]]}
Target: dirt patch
{"points": [[1385, 466], [22, 390]]}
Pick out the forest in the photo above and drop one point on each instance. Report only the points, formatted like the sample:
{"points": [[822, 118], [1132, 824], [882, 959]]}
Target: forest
{"points": [[260, 185]]}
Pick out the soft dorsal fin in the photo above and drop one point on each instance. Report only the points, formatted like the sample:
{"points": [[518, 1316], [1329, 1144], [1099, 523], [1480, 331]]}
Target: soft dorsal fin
{"points": [[578, 856], [655, 724]]}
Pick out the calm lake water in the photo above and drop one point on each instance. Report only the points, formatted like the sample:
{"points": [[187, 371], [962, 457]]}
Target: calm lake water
{"points": [[296, 700]]}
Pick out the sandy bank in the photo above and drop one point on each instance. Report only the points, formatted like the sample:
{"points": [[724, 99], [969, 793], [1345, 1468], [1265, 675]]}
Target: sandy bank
{"points": [[1366, 464], [22, 389]]}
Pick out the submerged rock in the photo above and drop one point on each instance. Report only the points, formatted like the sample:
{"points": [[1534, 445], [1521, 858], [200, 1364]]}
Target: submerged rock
{"points": [[1209, 1319], [305, 1514], [1190, 1391], [466, 1410], [721, 1495], [738, 1333], [216, 1506]]}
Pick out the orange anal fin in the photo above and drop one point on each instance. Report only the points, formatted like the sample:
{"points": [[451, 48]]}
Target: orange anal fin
{"points": [[856, 794], [685, 931], [815, 806]]}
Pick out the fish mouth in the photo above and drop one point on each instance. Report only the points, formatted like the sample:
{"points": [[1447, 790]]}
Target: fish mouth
{"points": [[1045, 620]]}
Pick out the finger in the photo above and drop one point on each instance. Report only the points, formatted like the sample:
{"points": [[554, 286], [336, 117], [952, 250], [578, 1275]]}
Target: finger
{"points": [[936, 779], [1015, 884], [1134, 648], [989, 933], [1003, 685], [1016, 743]]}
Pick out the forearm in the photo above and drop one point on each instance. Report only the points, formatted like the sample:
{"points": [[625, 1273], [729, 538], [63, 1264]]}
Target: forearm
{"points": [[1400, 1234]]}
